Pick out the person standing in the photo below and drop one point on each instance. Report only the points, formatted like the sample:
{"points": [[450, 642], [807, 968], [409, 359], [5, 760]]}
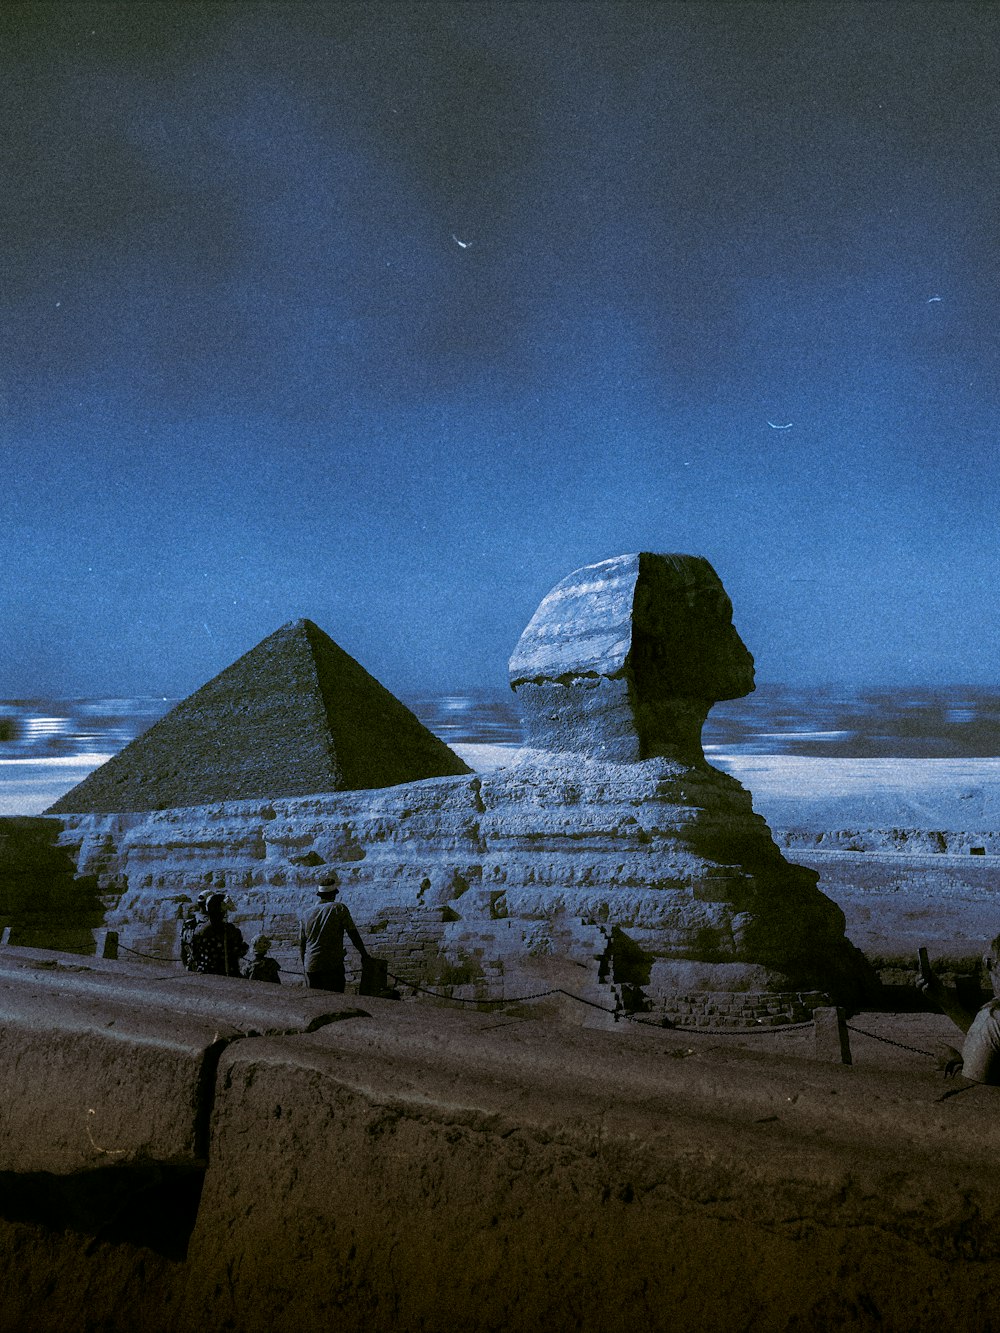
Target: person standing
{"points": [[321, 938], [190, 926], [218, 945]]}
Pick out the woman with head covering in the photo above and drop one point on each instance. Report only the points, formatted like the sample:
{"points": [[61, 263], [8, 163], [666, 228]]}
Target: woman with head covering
{"points": [[218, 945]]}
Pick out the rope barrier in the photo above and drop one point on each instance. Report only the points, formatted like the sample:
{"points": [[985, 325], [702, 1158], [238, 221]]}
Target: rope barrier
{"points": [[662, 1025], [154, 957], [513, 999], [159, 958], [760, 1031]]}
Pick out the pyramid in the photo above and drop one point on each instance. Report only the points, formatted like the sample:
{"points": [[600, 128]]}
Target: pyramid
{"points": [[293, 716]]}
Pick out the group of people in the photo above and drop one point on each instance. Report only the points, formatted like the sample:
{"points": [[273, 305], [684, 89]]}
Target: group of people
{"points": [[215, 946]]}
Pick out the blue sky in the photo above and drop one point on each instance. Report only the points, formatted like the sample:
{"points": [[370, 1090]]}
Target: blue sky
{"points": [[250, 374]]}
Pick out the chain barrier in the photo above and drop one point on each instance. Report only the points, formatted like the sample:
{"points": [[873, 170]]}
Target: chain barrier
{"points": [[662, 1025], [889, 1041]]}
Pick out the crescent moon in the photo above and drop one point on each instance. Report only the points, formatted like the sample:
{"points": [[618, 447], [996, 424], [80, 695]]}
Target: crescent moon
{"points": [[788, 427]]}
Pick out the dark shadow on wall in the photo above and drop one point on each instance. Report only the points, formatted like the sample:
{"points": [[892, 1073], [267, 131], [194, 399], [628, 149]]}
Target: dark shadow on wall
{"points": [[627, 966], [785, 921], [141, 1203], [42, 900]]}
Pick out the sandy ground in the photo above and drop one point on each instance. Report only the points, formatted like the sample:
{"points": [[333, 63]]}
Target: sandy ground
{"points": [[29, 786], [794, 791], [790, 791]]}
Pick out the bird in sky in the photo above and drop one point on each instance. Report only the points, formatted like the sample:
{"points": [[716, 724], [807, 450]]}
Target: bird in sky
{"points": [[464, 244], [788, 426], [933, 298]]}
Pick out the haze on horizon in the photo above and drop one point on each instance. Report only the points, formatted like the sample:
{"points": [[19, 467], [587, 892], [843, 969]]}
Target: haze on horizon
{"points": [[392, 316]]}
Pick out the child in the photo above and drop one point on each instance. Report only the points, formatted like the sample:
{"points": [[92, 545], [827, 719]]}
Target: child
{"points": [[261, 967]]}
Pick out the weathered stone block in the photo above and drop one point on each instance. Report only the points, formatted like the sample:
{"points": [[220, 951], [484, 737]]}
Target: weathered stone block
{"points": [[108, 1065]]}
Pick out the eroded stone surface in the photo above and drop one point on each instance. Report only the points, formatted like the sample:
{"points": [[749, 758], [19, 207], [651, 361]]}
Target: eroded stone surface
{"points": [[624, 658], [611, 880], [106, 1065], [413, 1169]]}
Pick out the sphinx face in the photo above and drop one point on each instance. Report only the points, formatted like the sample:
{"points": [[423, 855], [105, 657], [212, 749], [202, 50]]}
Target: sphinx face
{"points": [[623, 659], [684, 642]]}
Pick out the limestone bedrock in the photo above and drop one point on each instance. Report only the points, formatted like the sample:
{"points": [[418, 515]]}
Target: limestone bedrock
{"points": [[624, 658], [106, 1065], [243, 1158]]}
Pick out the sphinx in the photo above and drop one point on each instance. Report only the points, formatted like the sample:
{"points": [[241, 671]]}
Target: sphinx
{"points": [[606, 858]]}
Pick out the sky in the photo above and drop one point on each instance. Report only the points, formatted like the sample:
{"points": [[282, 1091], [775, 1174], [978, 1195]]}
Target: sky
{"points": [[391, 315]]}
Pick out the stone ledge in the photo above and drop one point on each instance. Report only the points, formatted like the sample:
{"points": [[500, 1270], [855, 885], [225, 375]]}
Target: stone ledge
{"points": [[419, 1169], [109, 1062]]}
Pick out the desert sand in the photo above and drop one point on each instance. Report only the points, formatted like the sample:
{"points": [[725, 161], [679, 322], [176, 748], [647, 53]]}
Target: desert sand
{"points": [[29, 786]]}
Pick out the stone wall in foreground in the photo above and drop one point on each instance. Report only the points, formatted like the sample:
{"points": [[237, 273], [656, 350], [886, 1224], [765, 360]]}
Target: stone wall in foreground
{"points": [[180, 1153], [636, 885]]}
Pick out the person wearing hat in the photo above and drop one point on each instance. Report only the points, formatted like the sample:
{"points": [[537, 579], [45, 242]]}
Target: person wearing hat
{"points": [[218, 945], [321, 938]]}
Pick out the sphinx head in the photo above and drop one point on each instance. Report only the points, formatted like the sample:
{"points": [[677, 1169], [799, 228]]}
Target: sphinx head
{"points": [[624, 658], [684, 642]]}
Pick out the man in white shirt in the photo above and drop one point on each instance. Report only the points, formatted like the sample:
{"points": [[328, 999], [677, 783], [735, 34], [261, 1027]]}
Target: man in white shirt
{"points": [[321, 938]]}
